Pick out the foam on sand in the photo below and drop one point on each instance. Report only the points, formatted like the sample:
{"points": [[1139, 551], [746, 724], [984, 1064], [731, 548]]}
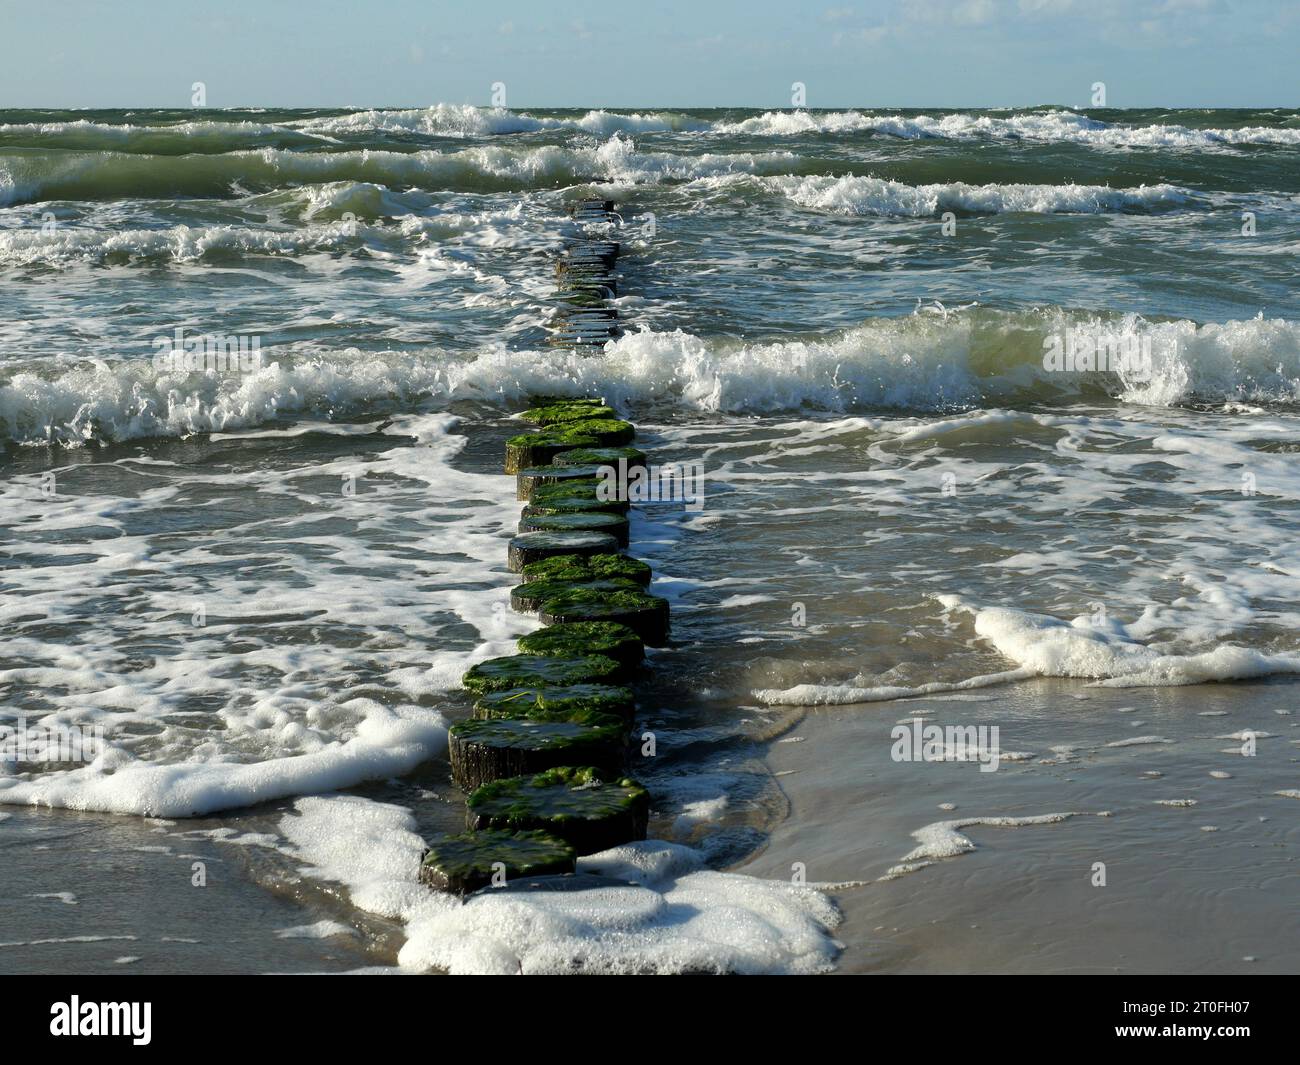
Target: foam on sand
{"points": [[844, 694], [659, 910], [319, 930], [943, 839]]}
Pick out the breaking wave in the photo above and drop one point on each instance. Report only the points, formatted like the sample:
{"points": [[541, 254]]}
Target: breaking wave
{"points": [[116, 175], [861, 195], [1049, 127], [933, 360]]}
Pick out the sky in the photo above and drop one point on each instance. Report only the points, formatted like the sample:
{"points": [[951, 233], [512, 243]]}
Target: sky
{"points": [[651, 53]]}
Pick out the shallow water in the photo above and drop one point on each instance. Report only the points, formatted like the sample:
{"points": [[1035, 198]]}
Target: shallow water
{"points": [[264, 584]]}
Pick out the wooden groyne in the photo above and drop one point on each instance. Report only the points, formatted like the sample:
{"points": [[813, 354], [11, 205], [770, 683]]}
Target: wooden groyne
{"points": [[543, 760]]}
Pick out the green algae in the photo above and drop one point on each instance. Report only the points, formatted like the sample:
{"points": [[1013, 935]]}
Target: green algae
{"points": [[487, 749], [464, 863], [576, 804], [524, 671], [530, 595], [558, 703], [606, 638], [581, 568]]}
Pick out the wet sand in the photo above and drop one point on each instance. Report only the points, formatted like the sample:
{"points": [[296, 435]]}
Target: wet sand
{"points": [[1177, 899]]}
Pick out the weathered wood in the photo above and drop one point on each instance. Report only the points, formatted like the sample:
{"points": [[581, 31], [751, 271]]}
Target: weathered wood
{"points": [[589, 521], [484, 750], [574, 804], [558, 703], [465, 863], [535, 546], [646, 615], [520, 671], [528, 597], [588, 568]]}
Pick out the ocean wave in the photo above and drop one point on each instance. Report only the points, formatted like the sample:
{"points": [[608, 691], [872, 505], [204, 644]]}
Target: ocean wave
{"points": [[115, 175], [1049, 127], [336, 216], [1109, 655], [933, 360], [464, 120], [177, 138], [28, 247], [856, 195]]}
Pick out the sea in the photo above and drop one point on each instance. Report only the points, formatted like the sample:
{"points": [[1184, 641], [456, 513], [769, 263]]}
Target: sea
{"points": [[986, 628]]}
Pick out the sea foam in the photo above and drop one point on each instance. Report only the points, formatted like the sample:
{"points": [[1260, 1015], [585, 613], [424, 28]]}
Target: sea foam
{"points": [[954, 360], [658, 910]]}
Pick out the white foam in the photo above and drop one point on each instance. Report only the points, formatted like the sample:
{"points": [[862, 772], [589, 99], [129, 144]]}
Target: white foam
{"points": [[859, 195], [1138, 741], [386, 742], [671, 915], [25, 247], [921, 362], [308, 679], [1046, 126], [464, 120], [320, 930], [467, 121], [65, 897], [844, 694], [66, 939], [943, 839], [1054, 648], [90, 176]]}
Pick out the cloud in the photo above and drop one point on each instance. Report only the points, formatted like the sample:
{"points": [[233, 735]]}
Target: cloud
{"points": [[1045, 7], [952, 12]]}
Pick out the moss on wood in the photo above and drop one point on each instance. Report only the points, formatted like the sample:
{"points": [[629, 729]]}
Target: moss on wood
{"points": [[593, 521], [539, 449], [558, 703], [607, 638], [565, 411], [523, 671], [465, 863], [600, 456], [587, 568], [646, 615], [535, 546], [529, 596], [574, 803], [484, 750]]}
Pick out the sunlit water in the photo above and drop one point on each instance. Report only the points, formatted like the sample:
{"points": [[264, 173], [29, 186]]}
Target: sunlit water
{"points": [[264, 585]]}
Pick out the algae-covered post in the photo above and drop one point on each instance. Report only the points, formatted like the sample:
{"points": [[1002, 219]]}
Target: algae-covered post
{"points": [[542, 759]]}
